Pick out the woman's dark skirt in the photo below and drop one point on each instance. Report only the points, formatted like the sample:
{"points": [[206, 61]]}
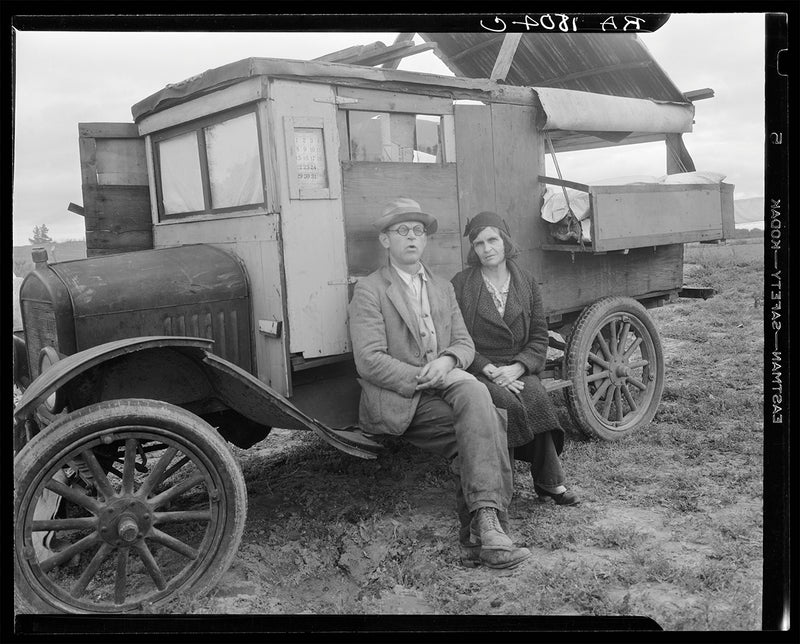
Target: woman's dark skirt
{"points": [[530, 412]]}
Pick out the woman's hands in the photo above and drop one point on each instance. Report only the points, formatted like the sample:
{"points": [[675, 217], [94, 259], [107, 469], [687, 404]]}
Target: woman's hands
{"points": [[507, 376]]}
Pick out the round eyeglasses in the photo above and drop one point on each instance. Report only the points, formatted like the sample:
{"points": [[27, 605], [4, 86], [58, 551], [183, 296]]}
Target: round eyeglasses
{"points": [[419, 231]]}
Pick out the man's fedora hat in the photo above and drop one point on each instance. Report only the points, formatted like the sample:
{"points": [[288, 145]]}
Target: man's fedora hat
{"points": [[405, 209]]}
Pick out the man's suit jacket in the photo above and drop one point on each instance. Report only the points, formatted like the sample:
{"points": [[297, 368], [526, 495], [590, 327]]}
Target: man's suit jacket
{"points": [[388, 350]]}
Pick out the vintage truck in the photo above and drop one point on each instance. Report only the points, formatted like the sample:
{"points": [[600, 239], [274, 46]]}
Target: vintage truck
{"points": [[225, 229]]}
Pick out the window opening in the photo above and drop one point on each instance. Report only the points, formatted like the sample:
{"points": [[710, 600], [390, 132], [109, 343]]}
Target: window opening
{"points": [[395, 137]]}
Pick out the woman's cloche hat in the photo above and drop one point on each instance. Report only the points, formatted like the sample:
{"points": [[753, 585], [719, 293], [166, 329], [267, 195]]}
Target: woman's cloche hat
{"points": [[483, 219], [405, 209]]}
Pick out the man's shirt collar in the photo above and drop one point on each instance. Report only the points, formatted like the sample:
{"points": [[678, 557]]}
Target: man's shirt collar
{"points": [[408, 277]]}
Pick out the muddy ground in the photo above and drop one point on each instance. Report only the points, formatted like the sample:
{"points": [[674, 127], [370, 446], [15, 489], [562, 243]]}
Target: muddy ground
{"points": [[669, 526]]}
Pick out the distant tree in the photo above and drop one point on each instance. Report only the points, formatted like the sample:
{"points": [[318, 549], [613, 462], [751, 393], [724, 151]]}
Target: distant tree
{"points": [[22, 266], [40, 235]]}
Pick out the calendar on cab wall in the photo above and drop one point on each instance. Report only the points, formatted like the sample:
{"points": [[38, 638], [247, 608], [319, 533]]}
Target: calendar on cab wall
{"points": [[309, 146], [309, 152]]}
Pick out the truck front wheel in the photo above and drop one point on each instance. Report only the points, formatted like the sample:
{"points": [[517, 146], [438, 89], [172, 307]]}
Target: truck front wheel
{"points": [[122, 506]]}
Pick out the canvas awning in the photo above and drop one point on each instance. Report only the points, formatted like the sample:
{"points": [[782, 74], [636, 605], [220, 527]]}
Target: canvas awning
{"points": [[567, 109]]}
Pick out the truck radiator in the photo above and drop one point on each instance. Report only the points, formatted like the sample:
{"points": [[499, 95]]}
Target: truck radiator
{"points": [[40, 331]]}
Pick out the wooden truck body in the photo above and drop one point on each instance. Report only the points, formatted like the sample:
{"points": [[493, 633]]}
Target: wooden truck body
{"points": [[307, 236]]}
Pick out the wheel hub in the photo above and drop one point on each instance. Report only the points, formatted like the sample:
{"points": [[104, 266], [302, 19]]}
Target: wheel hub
{"points": [[124, 520], [618, 371]]}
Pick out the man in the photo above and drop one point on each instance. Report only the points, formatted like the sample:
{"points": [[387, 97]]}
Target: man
{"points": [[411, 348]]}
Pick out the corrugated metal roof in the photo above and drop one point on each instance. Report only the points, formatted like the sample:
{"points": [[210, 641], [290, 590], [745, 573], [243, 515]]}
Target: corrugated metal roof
{"points": [[615, 64]]}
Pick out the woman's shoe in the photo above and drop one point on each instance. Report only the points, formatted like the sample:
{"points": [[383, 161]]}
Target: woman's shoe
{"points": [[561, 498]]}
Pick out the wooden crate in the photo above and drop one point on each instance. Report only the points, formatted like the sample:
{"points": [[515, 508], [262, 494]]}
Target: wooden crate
{"points": [[652, 214]]}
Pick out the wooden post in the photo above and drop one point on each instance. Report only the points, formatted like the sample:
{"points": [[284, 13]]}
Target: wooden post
{"points": [[506, 55], [401, 37]]}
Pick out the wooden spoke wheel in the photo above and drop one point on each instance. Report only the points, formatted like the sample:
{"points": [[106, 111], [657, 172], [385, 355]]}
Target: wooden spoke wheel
{"points": [[123, 505], [615, 362]]}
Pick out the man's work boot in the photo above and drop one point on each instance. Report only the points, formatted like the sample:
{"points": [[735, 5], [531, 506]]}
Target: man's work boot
{"points": [[497, 550]]}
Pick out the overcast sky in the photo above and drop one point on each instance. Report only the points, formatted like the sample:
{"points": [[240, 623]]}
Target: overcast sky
{"points": [[63, 78]]}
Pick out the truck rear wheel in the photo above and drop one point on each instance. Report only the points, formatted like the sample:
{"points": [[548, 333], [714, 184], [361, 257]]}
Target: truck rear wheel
{"points": [[122, 506], [615, 362]]}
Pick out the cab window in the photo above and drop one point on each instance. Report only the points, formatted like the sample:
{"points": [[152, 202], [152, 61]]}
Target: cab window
{"points": [[210, 166]]}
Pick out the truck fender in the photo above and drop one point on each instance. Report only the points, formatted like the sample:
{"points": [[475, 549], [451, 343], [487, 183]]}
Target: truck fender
{"points": [[234, 386], [253, 399], [70, 367]]}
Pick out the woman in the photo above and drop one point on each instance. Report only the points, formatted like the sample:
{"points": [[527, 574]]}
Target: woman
{"points": [[502, 308]]}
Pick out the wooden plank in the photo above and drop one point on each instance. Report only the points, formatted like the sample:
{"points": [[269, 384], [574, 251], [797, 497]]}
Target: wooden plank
{"points": [[87, 148], [476, 189], [117, 242], [571, 281], [344, 135], [347, 53], [112, 201], [269, 150], [244, 92], [401, 37], [656, 189], [78, 210], [382, 101], [367, 186], [372, 54], [217, 230], [699, 94], [682, 237], [649, 215], [122, 179], [505, 57], [552, 181], [108, 130], [697, 292], [151, 173], [518, 159], [121, 162], [394, 54]]}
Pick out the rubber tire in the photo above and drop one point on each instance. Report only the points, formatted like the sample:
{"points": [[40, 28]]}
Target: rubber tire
{"points": [[43, 452], [576, 357]]}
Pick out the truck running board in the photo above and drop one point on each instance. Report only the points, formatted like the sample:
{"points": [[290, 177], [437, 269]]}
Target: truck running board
{"points": [[252, 398]]}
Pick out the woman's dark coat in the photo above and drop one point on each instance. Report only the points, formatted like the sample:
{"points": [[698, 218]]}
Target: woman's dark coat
{"points": [[519, 336]]}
